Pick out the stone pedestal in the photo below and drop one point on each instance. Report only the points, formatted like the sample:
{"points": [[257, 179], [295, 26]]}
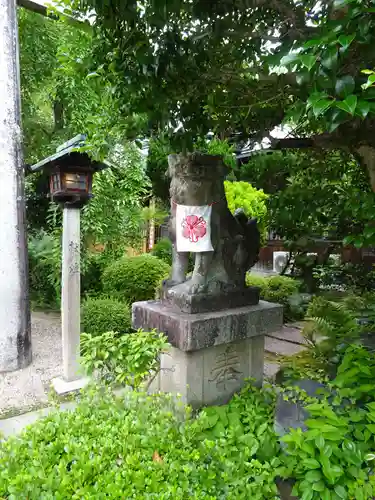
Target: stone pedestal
{"points": [[212, 354]]}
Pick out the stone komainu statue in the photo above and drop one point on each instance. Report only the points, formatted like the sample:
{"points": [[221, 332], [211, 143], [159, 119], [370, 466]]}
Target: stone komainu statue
{"points": [[198, 180]]}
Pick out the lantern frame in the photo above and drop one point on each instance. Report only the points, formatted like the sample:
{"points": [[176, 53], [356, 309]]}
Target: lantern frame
{"points": [[69, 161]]}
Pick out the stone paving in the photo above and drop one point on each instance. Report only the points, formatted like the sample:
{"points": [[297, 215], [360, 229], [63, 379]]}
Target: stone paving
{"points": [[26, 389], [285, 342]]}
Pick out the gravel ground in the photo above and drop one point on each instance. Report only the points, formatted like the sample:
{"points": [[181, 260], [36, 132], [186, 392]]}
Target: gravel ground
{"points": [[28, 388]]}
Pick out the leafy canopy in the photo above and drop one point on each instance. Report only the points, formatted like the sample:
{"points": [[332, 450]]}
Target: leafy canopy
{"points": [[240, 66]]}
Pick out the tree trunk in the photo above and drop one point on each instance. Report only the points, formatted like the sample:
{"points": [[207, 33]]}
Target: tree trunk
{"points": [[15, 336], [58, 114], [367, 155]]}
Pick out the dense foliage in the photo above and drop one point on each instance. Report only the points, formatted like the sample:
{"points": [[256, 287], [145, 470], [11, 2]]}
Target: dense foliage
{"points": [[134, 278], [163, 250], [44, 270], [129, 446], [241, 68], [251, 200], [334, 457], [126, 360], [100, 315], [347, 276], [60, 98], [332, 326], [319, 203], [279, 289]]}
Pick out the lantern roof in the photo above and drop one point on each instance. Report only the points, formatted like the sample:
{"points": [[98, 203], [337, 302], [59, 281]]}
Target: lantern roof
{"points": [[67, 155]]}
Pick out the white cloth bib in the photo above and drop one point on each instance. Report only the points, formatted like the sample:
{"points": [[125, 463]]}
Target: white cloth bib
{"points": [[193, 228]]}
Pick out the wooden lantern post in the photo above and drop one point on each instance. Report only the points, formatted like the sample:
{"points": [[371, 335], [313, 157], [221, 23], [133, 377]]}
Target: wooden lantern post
{"points": [[70, 174]]}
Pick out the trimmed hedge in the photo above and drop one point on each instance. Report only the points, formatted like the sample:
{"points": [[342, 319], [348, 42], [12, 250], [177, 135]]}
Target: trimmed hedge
{"points": [[279, 289], [99, 315], [134, 278], [163, 250]]}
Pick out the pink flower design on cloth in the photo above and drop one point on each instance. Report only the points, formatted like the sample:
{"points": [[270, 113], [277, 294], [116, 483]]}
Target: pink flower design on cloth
{"points": [[193, 228]]}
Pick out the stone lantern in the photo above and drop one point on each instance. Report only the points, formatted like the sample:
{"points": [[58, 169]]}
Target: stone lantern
{"points": [[70, 180]]}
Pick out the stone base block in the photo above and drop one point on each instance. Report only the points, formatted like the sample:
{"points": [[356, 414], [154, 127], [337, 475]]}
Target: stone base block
{"points": [[61, 386], [212, 354], [206, 302], [210, 376], [191, 332]]}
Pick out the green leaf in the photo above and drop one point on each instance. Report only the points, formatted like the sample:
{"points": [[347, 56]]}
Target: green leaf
{"points": [[349, 104], [346, 40], [312, 43], [313, 475], [341, 491], [308, 61], [311, 463], [321, 106], [326, 495], [369, 83], [363, 108], [345, 86], [315, 97], [319, 486], [358, 242], [329, 58], [320, 442], [307, 495], [289, 59], [303, 77]]}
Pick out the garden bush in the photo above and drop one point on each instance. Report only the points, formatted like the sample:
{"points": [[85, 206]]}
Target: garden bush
{"points": [[44, 270], [92, 267], [99, 315], [140, 446], [280, 289], [134, 278], [253, 202], [346, 276], [123, 359], [163, 250], [334, 457]]}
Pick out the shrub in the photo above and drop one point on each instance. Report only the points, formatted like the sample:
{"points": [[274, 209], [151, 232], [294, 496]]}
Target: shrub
{"points": [[99, 315], [163, 250], [92, 267], [346, 276], [333, 457], [44, 269], [122, 359], [279, 289], [253, 202], [134, 278], [139, 446]]}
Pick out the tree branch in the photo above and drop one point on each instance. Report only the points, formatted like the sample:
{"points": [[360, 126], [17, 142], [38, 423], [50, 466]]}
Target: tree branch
{"points": [[43, 11]]}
